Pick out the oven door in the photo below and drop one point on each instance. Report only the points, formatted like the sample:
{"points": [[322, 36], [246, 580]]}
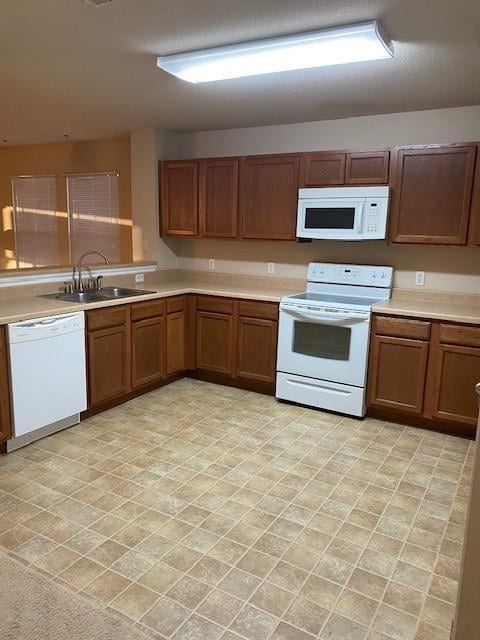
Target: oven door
{"points": [[330, 218], [326, 345]]}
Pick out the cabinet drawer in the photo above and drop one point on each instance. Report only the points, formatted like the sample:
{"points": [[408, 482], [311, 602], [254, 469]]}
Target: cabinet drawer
{"points": [[176, 304], [150, 309], [401, 327], [459, 334], [105, 318], [214, 305], [251, 309]]}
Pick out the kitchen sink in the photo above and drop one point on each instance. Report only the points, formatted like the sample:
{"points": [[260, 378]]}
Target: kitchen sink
{"points": [[107, 293]]}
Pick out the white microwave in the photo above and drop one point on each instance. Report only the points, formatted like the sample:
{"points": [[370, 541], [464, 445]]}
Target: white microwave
{"points": [[342, 213]]}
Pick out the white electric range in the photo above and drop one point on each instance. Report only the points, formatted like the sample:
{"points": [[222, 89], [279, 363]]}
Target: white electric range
{"points": [[324, 335]]}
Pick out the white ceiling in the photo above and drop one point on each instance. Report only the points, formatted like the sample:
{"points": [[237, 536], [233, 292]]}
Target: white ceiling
{"points": [[67, 67]]}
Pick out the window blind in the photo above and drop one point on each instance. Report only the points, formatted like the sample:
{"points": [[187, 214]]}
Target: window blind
{"points": [[36, 221], [93, 212]]}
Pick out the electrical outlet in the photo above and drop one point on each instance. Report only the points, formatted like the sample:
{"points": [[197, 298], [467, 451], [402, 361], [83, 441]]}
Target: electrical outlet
{"points": [[139, 277], [270, 267], [211, 264], [420, 278]]}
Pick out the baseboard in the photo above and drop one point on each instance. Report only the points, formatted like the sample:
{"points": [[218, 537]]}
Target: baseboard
{"points": [[450, 428]]}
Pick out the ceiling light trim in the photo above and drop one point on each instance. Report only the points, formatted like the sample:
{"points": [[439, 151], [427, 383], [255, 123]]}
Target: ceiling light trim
{"points": [[326, 47]]}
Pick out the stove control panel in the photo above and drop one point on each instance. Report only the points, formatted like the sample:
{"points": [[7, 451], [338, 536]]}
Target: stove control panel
{"points": [[353, 274]]}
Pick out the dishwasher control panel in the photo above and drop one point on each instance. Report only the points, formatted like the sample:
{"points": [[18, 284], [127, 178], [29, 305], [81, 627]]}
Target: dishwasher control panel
{"points": [[46, 327]]}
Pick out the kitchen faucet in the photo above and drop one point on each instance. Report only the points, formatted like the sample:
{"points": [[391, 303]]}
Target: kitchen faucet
{"points": [[78, 267]]}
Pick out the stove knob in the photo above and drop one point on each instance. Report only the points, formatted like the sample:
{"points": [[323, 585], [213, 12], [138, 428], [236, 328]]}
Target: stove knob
{"points": [[374, 275]]}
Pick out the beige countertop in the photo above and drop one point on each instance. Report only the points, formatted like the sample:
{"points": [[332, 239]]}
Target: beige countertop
{"points": [[25, 308], [432, 305]]}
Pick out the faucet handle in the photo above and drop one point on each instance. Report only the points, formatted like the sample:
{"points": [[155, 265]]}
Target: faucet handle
{"points": [[68, 286], [99, 282]]}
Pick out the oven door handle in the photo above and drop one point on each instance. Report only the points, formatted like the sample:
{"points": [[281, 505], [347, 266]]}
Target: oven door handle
{"points": [[329, 318]]}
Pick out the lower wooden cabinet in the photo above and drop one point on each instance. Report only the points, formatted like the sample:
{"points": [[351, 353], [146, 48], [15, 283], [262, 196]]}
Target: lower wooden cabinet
{"points": [[398, 372], [109, 374], [428, 369], [215, 342], [256, 349], [175, 330], [148, 351], [237, 339], [5, 418]]}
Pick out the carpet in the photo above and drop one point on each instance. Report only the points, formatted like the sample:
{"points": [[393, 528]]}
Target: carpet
{"points": [[34, 608]]}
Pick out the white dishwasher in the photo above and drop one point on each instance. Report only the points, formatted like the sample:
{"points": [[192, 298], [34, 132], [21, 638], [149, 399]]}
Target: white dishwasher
{"points": [[48, 377]]}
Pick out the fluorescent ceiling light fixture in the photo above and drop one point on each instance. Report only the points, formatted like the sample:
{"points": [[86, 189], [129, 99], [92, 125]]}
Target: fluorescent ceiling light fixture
{"points": [[339, 45]]}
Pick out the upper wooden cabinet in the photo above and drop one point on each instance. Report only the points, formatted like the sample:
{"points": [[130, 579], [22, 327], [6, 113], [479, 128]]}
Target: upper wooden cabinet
{"points": [[5, 419], [432, 191], [474, 228], [179, 197], [326, 168], [268, 197], [219, 198]]}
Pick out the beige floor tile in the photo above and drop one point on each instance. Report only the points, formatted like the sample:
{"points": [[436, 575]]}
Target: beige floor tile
{"points": [[404, 598], [188, 592], [239, 584], [133, 564], [396, 624], [438, 612], [134, 602], [57, 560], [35, 548], [444, 589], [254, 624], [272, 599], [428, 631], [368, 584], [340, 627], [301, 557], [411, 576], [287, 576], [81, 573], [320, 591], [108, 525], [259, 564], [356, 607], [197, 628], [107, 553], [333, 569], [107, 586], [165, 616], [15, 537], [209, 570], [306, 615], [220, 607], [376, 562]]}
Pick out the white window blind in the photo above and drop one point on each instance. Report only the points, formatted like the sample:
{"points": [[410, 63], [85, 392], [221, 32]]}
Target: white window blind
{"points": [[93, 211], [36, 221]]}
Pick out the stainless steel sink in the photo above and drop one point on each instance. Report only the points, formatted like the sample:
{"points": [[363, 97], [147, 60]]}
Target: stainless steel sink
{"points": [[107, 293], [120, 292]]}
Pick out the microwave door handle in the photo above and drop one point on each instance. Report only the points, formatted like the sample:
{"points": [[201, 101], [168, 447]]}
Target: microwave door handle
{"points": [[359, 219]]}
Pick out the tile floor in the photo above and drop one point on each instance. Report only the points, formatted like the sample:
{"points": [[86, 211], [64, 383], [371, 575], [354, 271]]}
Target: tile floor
{"points": [[200, 512]]}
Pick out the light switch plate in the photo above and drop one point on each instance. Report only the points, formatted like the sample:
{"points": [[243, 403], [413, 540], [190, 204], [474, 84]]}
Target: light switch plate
{"points": [[420, 278], [211, 264], [139, 277], [270, 267]]}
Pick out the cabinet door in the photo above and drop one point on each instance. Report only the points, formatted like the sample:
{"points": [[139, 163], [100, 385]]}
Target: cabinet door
{"points": [[108, 363], [256, 349], [398, 369], [175, 342], [179, 197], [268, 197], [369, 167], [322, 169], [219, 198], [215, 342], [456, 372], [5, 420], [432, 193], [474, 228], [148, 351]]}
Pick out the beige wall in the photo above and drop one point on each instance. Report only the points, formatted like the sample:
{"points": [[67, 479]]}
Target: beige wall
{"points": [[60, 159], [147, 147], [449, 269]]}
